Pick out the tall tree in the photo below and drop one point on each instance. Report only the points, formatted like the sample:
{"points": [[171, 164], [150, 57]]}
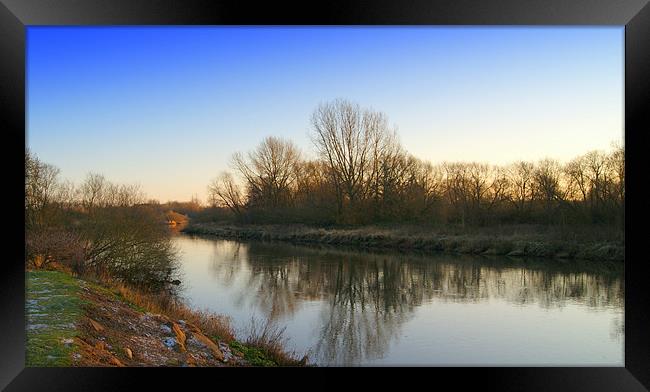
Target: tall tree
{"points": [[270, 172], [351, 141]]}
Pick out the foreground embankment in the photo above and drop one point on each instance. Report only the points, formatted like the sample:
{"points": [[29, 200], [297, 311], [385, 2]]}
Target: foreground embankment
{"points": [[595, 244], [76, 322]]}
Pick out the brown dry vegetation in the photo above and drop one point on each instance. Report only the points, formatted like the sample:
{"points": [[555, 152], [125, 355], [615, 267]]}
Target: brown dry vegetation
{"points": [[122, 326], [121, 247], [207, 335], [516, 240], [112, 333], [213, 325]]}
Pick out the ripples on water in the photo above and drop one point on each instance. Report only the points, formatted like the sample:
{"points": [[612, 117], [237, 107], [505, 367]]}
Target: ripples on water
{"points": [[349, 307]]}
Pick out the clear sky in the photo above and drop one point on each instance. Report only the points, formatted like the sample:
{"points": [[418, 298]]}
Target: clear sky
{"points": [[166, 107]]}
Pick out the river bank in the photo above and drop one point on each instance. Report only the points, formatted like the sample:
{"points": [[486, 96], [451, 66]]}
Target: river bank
{"points": [[512, 241], [77, 322]]}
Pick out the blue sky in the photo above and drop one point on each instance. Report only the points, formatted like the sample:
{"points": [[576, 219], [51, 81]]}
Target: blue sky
{"points": [[166, 107]]}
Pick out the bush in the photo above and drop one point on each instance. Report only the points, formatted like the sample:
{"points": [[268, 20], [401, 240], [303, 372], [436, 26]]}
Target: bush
{"points": [[50, 245], [132, 244]]}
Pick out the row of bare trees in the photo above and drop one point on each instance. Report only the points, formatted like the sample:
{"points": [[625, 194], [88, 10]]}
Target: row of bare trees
{"points": [[362, 174], [97, 226]]}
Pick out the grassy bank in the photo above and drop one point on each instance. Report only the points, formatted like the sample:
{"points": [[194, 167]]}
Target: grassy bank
{"points": [[53, 308], [81, 322], [585, 243]]}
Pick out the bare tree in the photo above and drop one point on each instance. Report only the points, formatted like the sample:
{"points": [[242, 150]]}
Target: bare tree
{"points": [[521, 179], [225, 192], [93, 191], [546, 185], [270, 171], [596, 169], [315, 197], [425, 184], [457, 184], [576, 171], [497, 193], [616, 165], [478, 184], [41, 190], [351, 141]]}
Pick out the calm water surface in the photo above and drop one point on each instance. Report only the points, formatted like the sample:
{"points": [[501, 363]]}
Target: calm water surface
{"points": [[347, 307]]}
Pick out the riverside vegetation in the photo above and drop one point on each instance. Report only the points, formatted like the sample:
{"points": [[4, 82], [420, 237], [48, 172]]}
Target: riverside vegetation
{"points": [[102, 285], [362, 188], [362, 175], [84, 322], [510, 241]]}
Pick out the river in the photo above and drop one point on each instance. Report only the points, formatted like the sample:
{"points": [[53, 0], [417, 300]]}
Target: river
{"points": [[347, 307]]}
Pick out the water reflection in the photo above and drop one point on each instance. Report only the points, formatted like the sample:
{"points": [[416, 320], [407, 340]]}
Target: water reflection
{"points": [[367, 297]]}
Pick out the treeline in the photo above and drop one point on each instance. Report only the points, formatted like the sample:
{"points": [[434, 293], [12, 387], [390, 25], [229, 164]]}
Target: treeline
{"points": [[363, 175], [97, 227]]}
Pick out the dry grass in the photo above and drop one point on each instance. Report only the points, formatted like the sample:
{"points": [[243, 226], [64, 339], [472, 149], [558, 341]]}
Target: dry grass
{"points": [[263, 347], [213, 325], [269, 337], [163, 302], [572, 242]]}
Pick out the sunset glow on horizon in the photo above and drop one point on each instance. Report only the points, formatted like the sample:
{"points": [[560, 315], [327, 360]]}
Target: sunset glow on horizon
{"points": [[166, 107]]}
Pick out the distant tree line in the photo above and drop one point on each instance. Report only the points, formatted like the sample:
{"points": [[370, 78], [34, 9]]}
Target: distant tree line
{"points": [[363, 175], [97, 227]]}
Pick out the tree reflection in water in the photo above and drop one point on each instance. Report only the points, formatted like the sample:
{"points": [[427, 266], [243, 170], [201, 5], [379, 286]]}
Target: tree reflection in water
{"points": [[370, 296]]}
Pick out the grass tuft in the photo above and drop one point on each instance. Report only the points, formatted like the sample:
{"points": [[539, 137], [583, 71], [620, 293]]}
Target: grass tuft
{"points": [[266, 342]]}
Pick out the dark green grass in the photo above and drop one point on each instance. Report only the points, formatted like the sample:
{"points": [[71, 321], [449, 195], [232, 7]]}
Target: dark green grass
{"points": [[52, 307]]}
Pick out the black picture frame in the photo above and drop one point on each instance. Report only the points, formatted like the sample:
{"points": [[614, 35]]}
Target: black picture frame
{"points": [[15, 15]]}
